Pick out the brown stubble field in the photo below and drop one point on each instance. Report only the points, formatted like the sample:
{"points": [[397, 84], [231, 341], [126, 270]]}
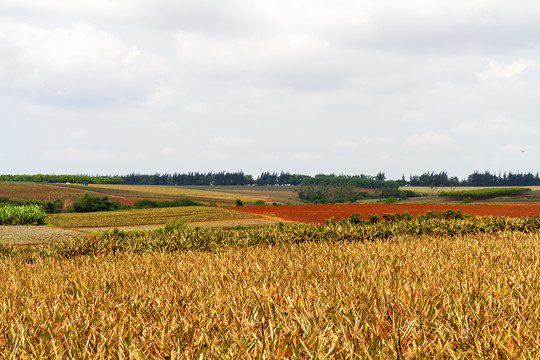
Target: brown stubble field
{"points": [[38, 191]]}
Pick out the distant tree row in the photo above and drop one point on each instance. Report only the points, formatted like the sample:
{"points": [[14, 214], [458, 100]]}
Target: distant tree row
{"points": [[63, 179], [284, 179], [474, 179], [192, 178], [266, 178], [362, 181]]}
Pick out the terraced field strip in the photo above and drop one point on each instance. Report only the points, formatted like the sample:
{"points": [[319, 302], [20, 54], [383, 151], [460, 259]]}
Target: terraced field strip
{"points": [[319, 213], [218, 194], [40, 191], [162, 191], [142, 217]]}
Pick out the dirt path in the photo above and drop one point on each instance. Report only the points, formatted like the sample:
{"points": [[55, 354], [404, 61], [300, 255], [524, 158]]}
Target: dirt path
{"points": [[32, 235]]}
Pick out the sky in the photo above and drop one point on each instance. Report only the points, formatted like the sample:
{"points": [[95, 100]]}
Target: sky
{"points": [[344, 86]]}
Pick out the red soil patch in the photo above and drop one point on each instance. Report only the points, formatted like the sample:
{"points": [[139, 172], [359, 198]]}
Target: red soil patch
{"points": [[319, 213]]}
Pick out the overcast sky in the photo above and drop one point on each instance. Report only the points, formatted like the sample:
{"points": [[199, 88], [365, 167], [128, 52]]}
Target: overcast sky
{"points": [[341, 86]]}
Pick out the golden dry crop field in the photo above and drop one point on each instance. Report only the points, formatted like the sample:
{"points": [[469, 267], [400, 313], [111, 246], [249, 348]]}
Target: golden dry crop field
{"points": [[466, 296]]}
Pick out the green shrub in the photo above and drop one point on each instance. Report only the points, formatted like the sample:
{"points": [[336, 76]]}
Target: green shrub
{"points": [[406, 216], [90, 203], [392, 217], [175, 224], [355, 218], [149, 204], [54, 207], [452, 214], [259, 203]]}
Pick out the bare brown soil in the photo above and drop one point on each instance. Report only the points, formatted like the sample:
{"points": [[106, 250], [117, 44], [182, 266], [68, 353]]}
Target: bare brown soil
{"points": [[319, 213]]}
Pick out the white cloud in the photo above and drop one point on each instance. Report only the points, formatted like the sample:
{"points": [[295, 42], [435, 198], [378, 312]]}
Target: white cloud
{"points": [[231, 141], [497, 70], [371, 141], [164, 96], [345, 144], [495, 125], [367, 75], [429, 139], [523, 149], [417, 116], [306, 157], [195, 108], [168, 126], [212, 155], [285, 59], [81, 65], [168, 151], [77, 134], [73, 153]]}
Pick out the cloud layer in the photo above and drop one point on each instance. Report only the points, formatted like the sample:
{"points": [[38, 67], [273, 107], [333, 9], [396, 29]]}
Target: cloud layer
{"points": [[304, 86]]}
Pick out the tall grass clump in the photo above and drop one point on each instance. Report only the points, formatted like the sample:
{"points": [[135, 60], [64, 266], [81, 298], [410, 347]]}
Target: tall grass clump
{"points": [[22, 215]]}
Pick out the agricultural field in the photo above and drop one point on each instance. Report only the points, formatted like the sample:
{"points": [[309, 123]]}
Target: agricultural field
{"points": [[155, 217], [222, 195], [431, 194], [128, 194], [319, 213], [290, 291], [38, 191]]}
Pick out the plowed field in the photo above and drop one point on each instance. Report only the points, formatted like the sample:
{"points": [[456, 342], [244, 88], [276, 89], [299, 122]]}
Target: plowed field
{"points": [[319, 213]]}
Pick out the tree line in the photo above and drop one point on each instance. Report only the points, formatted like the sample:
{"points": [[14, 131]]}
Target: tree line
{"points": [[266, 178], [287, 179], [475, 179], [87, 179]]}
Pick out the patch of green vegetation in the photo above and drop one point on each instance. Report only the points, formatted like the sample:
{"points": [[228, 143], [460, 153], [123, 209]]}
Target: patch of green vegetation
{"points": [[488, 193], [22, 215]]}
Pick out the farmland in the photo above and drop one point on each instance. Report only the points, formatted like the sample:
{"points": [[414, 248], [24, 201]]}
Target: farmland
{"points": [[223, 195], [421, 288], [39, 191], [220, 195], [145, 217], [291, 291], [432, 194], [319, 213]]}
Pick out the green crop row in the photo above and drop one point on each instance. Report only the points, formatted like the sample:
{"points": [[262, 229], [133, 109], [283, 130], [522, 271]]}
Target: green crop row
{"points": [[22, 215], [484, 193], [180, 238]]}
